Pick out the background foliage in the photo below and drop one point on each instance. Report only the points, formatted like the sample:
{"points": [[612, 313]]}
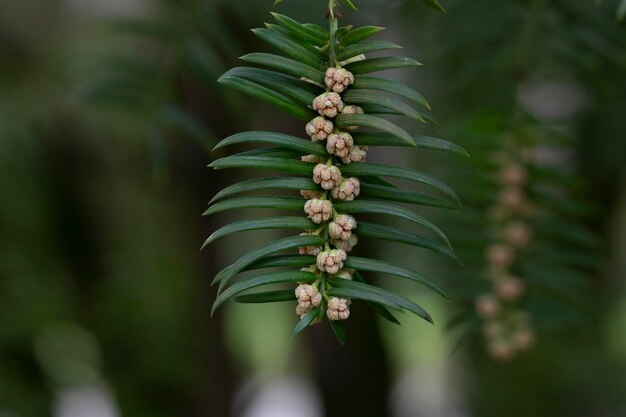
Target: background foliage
{"points": [[107, 113]]}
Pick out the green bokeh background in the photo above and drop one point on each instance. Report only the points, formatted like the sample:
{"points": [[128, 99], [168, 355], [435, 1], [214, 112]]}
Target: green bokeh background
{"points": [[108, 112]]}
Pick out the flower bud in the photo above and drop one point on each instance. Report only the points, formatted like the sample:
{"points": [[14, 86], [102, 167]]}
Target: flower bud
{"points": [[357, 154], [331, 261], [310, 250], [501, 350], [338, 309], [338, 79], [518, 234], [352, 109], [500, 256], [327, 176], [311, 158], [487, 306], [513, 175], [341, 227], [348, 189], [318, 210], [310, 195], [509, 289], [524, 338], [328, 104], [308, 296], [339, 144], [346, 245], [319, 128]]}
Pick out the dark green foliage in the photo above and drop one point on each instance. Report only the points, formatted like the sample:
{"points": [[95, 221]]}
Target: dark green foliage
{"points": [[291, 83]]}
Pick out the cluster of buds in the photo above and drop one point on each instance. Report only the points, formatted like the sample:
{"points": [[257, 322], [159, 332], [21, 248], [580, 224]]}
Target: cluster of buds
{"points": [[308, 297], [318, 210], [347, 190], [340, 144], [341, 227], [319, 128], [328, 104], [331, 261], [309, 250], [506, 329], [338, 309], [338, 79], [512, 198], [346, 245], [351, 109], [338, 228], [328, 177], [356, 154], [508, 337]]}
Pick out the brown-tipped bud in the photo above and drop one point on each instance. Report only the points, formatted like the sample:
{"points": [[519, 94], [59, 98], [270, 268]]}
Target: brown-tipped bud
{"points": [[518, 234], [487, 307], [338, 79], [500, 256], [513, 175], [524, 338], [310, 195], [308, 296], [513, 199], [331, 261], [310, 250], [352, 109], [341, 227], [339, 144], [346, 245], [311, 158], [501, 350], [326, 176], [318, 210], [328, 104], [319, 128], [357, 154], [348, 189], [509, 289], [338, 309]]}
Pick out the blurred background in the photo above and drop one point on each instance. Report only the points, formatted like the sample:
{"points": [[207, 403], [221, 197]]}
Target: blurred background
{"points": [[108, 112]]}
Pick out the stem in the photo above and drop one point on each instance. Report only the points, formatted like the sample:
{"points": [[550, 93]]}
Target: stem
{"points": [[334, 24]]}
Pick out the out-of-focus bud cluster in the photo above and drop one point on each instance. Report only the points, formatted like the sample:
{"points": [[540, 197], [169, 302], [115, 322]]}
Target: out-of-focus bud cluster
{"points": [[506, 328], [508, 337]]}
